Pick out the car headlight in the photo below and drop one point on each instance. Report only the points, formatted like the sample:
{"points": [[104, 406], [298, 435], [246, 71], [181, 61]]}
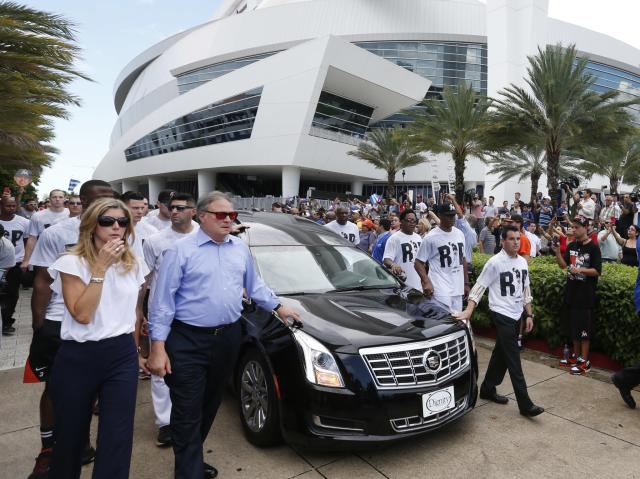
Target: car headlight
{"points": [[319, 364]]}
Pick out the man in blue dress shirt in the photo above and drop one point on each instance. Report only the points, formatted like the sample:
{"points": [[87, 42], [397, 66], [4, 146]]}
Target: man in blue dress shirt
{"points": [[194, 327]]}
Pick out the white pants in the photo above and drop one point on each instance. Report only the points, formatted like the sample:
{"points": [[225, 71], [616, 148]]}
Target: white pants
{"points": [[161, 400]]}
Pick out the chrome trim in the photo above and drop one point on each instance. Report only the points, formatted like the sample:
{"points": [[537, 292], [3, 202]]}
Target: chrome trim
{"points": [[415, 423], [318, 422], [400, 366]]}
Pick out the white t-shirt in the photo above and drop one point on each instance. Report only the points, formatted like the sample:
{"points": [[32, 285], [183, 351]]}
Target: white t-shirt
{"points": [[155, 246], [536, 243], [348, 231], [52, 243], [490, 211], [15, 230], [402, 249], [158, 222], [144, 230], [445, 254], [7, 254], [506, 278], [587, 208], [41, 220], [116, 311]]}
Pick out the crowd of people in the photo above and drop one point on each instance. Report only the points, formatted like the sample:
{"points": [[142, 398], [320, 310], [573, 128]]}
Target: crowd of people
{"points": [[122, 292]]}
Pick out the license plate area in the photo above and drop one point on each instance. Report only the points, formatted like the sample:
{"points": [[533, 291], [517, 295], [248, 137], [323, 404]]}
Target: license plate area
{"points": [[438, 401]]}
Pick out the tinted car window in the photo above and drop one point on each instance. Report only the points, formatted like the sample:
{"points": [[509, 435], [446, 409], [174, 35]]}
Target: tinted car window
{"points": [[318, 269]]}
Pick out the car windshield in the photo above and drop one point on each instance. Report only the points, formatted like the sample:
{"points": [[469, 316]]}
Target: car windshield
{"points": [[318, 269]]}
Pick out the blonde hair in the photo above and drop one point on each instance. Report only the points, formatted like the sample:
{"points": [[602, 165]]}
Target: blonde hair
{"points": [[86, 248], [425, 224]]}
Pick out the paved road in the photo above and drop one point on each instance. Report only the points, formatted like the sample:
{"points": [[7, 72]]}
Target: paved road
{"points": [[587, 432]]}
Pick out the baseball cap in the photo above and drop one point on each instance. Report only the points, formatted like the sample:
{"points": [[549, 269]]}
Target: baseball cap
{"points": [[546, 197], [581, 220], [369, 224], [446, 209]]}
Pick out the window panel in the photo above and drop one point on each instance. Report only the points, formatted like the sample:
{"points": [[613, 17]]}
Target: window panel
{"points": [[229, 120]]}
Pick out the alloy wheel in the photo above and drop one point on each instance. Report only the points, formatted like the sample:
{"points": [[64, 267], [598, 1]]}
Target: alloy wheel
{"points": [[254, 396]]}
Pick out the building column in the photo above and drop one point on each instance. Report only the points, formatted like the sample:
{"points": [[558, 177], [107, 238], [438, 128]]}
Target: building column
{"points": [[129, 185], [156, 184], [515, 30], [290, 181], [356, 187], [206, 182]]}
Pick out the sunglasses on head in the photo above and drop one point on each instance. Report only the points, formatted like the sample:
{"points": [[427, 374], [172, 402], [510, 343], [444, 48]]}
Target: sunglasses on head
{"points": [[123, 221], [179, 208], [221, 215]]}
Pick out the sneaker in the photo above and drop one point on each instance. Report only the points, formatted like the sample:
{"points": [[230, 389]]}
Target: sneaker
{"points": [[8, 330], [567, 363], [581, 367], [43, 463], [520, 346], [164, 436], [89, 455]]}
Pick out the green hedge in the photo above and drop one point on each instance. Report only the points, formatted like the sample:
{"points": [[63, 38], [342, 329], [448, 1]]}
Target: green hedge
{"points": [[616, 329]]}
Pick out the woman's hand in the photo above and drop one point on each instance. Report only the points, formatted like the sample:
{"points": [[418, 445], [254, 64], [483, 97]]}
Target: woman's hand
{"points": [[108, 255]]}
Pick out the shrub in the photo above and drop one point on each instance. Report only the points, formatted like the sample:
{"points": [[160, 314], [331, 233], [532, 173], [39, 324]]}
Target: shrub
{"points": [[616, 328]]}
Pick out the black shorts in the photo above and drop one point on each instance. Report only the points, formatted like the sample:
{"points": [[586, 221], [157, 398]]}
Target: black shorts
{"points": [[44, 347], [580, 323]]}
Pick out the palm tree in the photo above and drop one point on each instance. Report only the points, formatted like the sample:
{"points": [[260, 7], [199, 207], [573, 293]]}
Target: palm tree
{"points": [[525, 164], [37, 55], [559, 110], [385, 149], [454, 125], [618, 164]]}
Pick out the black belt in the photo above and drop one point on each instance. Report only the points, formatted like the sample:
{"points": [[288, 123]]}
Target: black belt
{"points": [[215, 331]]}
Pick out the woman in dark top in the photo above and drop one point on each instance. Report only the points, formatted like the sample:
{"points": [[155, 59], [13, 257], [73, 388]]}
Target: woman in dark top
{"points": [[629, 255]]}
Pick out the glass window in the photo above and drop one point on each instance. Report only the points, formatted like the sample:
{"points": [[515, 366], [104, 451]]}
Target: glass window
{"points": [[319, 269], [228, 120], [189, 80], [341, 115]]}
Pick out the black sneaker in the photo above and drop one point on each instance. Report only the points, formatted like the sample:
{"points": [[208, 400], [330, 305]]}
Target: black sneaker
{"points": [[210, 472], [89, 455], [164, 436], [8, 330], [42, 466]]}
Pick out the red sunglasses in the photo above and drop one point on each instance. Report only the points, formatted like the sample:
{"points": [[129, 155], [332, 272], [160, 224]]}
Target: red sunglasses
{"points": [[221, 215]]}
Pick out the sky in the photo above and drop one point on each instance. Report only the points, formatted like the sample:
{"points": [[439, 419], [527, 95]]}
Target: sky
{"points": [[112, 32]]}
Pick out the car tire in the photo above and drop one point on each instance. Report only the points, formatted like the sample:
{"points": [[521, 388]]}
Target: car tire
{"points": [[257, 400]]}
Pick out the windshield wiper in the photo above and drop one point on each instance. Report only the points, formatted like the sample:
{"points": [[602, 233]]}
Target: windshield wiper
{"points": [[360, 288]]}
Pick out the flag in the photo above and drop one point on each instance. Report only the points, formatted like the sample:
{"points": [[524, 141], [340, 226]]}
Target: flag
{"points": [[375, 199], [72, 185]]}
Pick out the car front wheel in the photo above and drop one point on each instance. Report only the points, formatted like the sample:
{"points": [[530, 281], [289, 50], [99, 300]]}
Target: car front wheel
{"points": [[257, 401]]}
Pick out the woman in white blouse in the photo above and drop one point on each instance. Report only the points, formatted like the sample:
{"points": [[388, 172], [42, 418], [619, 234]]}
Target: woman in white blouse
{"points": [[99, 280]]}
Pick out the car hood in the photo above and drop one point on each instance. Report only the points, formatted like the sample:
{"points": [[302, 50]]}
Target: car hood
{"points": [[348, 321]]}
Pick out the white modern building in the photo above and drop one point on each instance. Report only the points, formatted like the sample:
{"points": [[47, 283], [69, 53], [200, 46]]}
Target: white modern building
{"points": [[270, 95]]}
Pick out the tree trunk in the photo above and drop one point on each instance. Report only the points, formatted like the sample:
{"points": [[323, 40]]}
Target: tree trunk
{"points": [[391, 185], [535, 178], [553, 167], [614, 182], [459, 160]]}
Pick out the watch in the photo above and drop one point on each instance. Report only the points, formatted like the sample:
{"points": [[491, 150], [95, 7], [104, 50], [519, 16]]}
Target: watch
{"points": [[96, 280], [530, 316], [277, 307]]}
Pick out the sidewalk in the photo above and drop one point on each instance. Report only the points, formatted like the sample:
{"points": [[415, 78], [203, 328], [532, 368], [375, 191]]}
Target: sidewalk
{"points": [[15, 349], [587, 431]]}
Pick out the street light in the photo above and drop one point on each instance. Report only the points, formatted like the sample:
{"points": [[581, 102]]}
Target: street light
{"points": [[404, 187]]}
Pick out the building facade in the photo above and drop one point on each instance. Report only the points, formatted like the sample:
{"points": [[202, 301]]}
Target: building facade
{"points": [[270, 95]]}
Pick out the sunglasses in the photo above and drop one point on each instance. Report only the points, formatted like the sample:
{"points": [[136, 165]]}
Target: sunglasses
{"points": [[221, 215], [180, 208], [106, 221], [75, 203]]}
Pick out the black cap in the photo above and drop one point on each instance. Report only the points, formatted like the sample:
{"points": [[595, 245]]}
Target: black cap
{"points": [[165, 196], [446, 209]]}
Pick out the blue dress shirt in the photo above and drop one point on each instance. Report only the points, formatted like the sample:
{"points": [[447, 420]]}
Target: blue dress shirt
{"points": [[470, 237], [200, 283]]}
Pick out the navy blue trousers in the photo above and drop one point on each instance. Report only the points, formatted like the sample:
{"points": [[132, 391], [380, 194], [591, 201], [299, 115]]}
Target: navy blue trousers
{"points": [[200, 367], [108, 369]]}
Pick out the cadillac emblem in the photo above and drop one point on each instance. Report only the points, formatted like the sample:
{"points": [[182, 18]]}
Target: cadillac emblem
{"points": [[431, 361]]}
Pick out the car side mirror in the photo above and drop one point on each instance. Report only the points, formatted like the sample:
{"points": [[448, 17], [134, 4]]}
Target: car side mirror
{"points": [[248, 306]]}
